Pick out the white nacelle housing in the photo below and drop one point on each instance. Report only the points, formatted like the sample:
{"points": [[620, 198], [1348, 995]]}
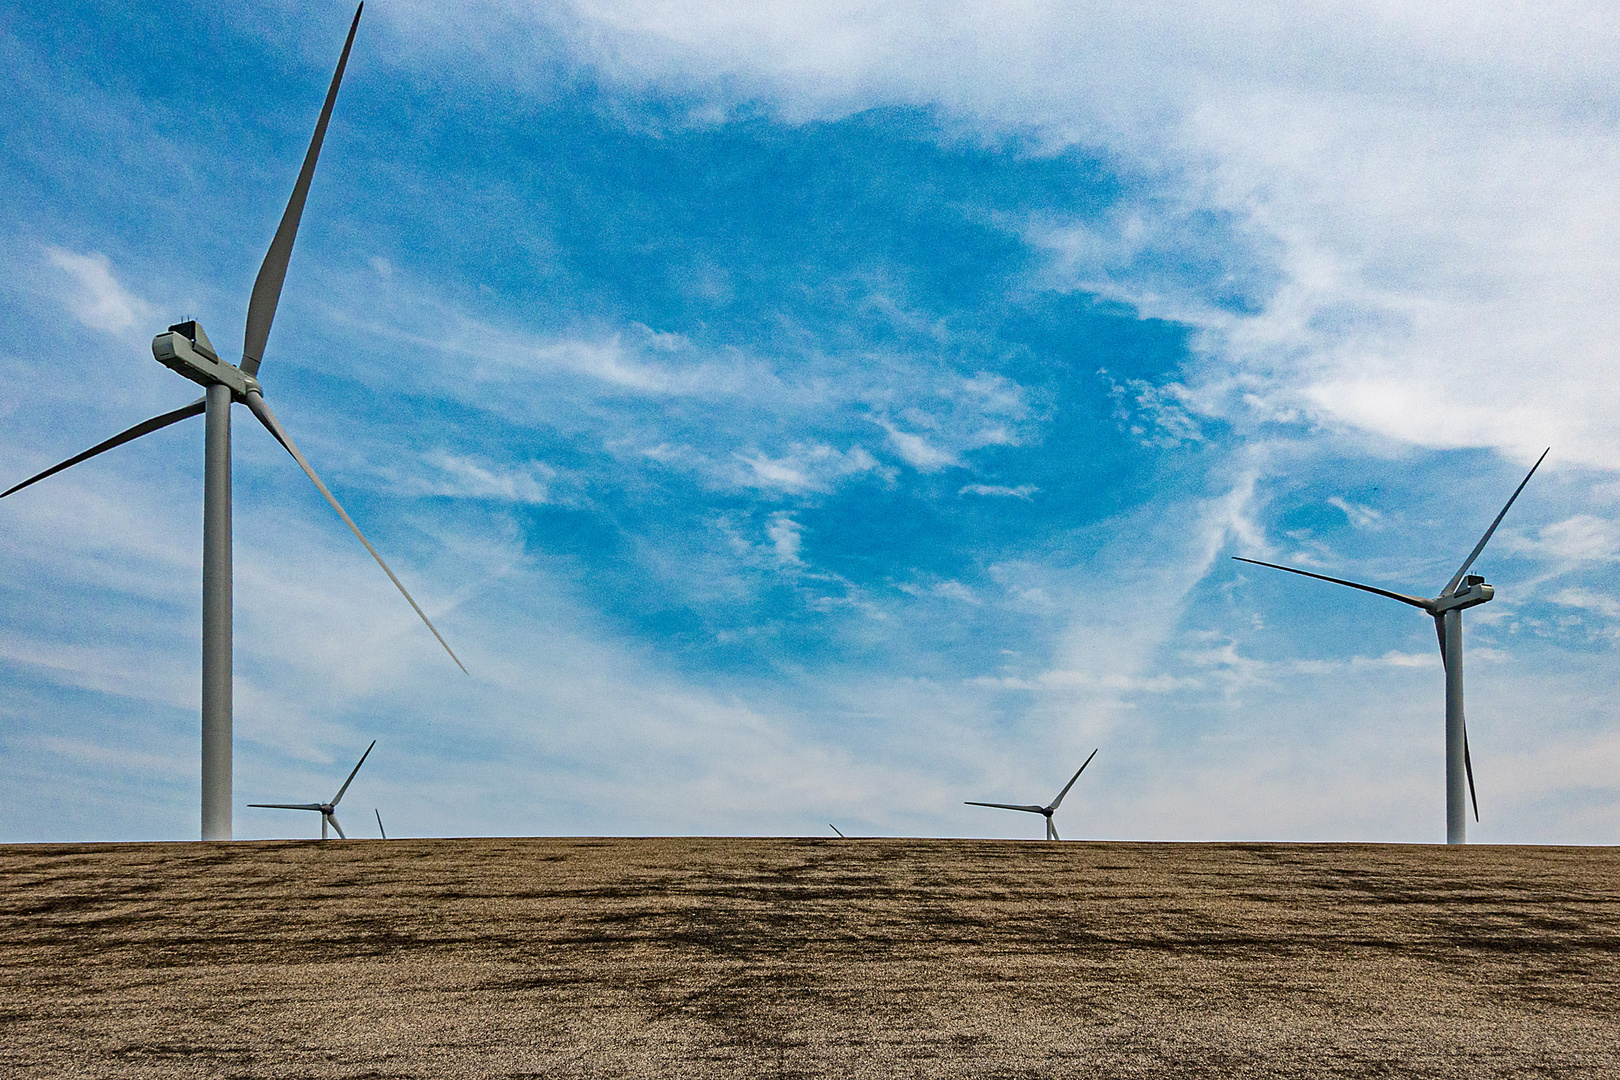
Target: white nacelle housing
{"points": [[186, 350]]}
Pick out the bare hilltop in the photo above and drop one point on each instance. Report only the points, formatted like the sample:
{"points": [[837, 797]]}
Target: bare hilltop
{"points": [[759, 958]]}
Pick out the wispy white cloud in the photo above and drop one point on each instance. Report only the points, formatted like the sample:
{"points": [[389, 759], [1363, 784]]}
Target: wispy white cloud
{"points": [[465, 477], [806, 467], [1022, 491], [919, 453], [1583, 538], [1429, 190], [1587, 600], [785, 534], [94, 295], [1361, 517]]}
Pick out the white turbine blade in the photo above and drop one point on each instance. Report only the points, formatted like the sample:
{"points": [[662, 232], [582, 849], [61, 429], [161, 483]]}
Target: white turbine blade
{"points": [[1451, 586], [145, 427], [1468, 767], [1415, 601], [333, 819], [288, 806], [379, 823], [1051, 830], [339, 796], [1009, 806], [255, 402], [1059, 800], [273, 271]]}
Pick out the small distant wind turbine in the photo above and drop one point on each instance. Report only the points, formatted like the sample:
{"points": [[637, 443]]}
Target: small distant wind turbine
{"points": [[186, 350], [1464, 590], [379, 818], [327, 810], [1048, 811], [837, 830]]}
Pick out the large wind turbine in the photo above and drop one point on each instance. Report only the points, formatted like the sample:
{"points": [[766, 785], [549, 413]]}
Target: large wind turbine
{"points": [[327, 810], [1464, 590], [186, 350], [1048, 811]]}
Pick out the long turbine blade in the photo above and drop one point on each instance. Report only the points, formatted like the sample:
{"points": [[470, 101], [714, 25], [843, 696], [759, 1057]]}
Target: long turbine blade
{"points": [[1415, 601], [339, 796], [1468, 767], [288, 806], [333, 819], [273, 271], [379, 823], [1009, 806], [1051, 830], [145, 427], [256, 402], [1059, 800], [1451, 586]]}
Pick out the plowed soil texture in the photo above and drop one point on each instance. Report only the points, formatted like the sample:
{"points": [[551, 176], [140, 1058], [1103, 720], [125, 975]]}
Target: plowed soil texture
{"points": [[843, 958]]}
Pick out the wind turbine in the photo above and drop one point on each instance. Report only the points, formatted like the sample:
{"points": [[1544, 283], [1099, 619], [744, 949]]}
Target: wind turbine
{"points": [[1048, 811], [374, 810], [1464, 590], [186, 350], [327, 810], [837, 830]]}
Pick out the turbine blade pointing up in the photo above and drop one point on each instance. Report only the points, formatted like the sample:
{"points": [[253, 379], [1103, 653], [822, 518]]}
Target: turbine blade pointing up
{"points": [[1415, 601], [145, 427], [1451, 586], [1059, 800], [339, 796], [267, 286], [255, 401]]}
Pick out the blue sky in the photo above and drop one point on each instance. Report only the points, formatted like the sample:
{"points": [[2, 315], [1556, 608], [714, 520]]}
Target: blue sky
{"points": [[799, 415]]}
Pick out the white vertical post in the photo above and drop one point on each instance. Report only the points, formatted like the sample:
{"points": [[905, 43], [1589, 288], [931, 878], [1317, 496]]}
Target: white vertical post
{"points": [[1456, 773], [216, 658]]}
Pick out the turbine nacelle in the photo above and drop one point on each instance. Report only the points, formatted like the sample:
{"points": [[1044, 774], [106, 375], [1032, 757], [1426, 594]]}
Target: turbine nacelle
{"points": [[186, 350], [1473, 593]]}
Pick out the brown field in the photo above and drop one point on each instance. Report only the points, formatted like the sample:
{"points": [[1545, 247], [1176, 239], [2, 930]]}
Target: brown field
{"points": [[759, 958]]}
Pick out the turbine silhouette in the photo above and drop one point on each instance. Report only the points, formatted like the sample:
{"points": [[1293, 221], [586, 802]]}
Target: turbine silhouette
{"points": [[1463, 591], [1048, 811], [327, 810], [186, 350]]}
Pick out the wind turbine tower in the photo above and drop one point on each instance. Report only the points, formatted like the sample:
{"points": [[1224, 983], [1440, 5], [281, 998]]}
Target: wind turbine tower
{"points": [[186, 350], [1463, 591], [327, 810], [1046, 811]]}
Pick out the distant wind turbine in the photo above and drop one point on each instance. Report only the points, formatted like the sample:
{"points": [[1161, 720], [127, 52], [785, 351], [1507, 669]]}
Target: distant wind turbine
{"points": [[1048, 811], [379, 818], [327, 810], [186, 350], [835, 829], [1464, 590]]}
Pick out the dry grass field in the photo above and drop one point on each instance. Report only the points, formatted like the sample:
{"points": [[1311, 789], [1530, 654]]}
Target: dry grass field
{"points": [[761, 958]]}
